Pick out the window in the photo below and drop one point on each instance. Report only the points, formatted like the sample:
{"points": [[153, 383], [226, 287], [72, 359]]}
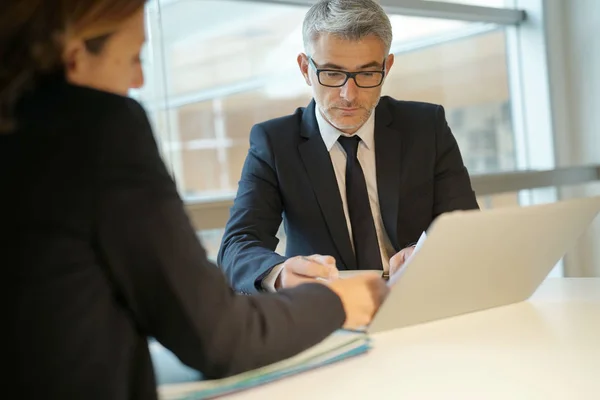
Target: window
{"points": [[468, 76], [486, 3], [223, 72], [212, 72]]}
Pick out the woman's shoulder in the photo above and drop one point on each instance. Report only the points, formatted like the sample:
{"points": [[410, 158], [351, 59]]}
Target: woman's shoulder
{"points": [[114, 120], [119, 123], [104, 105], [66, 106], [94, 122]]}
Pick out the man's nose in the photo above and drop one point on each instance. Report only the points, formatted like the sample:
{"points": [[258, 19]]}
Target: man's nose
{"points": [[349, 91]]}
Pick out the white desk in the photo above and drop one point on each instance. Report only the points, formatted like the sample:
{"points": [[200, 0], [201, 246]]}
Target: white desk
{"points": [[546, 348]]}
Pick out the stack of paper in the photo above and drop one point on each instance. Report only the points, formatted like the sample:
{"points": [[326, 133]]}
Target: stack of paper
{"points": [[339, 346]]}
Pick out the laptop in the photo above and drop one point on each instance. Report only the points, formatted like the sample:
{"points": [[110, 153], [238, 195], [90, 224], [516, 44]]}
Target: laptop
{"points": [[476, 260]]}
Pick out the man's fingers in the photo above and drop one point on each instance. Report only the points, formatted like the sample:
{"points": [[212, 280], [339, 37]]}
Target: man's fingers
{"points": [[295, 280], [322, 259], [407, 253], [309, 268], [396, 261], [329, 262], [394, 269]]}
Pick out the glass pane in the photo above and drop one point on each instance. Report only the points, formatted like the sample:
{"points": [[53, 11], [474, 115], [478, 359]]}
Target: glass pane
{"points": [[484, 3], [469, 78], [208, 44], [212, 73]]}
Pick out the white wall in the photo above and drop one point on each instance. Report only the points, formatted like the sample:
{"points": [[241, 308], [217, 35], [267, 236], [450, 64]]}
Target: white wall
{"points": [[572, 33]]}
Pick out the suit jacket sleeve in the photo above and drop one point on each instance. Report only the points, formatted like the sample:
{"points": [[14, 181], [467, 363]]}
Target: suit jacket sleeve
{"points": [[247, 253], [164, 281], [453, 189]]}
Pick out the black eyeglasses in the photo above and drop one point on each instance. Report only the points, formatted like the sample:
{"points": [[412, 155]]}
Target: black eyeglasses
{"points": [[337, 78]]}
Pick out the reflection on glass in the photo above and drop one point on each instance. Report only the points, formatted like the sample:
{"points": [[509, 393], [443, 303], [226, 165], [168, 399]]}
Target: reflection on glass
{"points": [[213, 43], [484, 3], [214, 73]]}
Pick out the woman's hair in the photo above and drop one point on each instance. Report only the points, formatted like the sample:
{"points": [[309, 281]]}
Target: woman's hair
{"points": [[32, 34]]}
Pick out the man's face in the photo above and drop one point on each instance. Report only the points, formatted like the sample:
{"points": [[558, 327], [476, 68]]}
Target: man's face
{"points": [[347, 107]]}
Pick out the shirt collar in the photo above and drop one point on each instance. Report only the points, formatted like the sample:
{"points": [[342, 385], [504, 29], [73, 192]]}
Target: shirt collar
{"points": [[330, 134]]}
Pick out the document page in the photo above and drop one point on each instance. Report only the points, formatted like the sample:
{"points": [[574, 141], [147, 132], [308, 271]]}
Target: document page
{"points": [[398, 274]]}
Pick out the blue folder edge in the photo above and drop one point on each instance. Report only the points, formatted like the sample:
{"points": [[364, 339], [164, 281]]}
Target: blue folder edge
{"points": [[261, 380]]}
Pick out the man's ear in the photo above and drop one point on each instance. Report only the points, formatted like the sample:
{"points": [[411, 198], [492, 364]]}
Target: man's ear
{"points": [[389, 61], [303, 65]]}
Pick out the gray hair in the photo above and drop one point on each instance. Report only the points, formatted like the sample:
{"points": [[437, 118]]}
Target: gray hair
{"points": [[347, 19]]}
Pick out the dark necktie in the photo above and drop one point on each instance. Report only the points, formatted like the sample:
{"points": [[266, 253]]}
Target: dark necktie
{"points": [[366, 248]]}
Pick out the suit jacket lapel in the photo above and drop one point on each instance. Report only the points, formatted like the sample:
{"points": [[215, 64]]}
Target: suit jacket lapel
{"points": [[388, 162], [318, 165]]}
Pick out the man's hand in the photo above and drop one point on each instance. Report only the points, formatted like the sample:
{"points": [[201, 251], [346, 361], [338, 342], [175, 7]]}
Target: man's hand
{"points": [[361, 297], [398, 260], [300, 269]]}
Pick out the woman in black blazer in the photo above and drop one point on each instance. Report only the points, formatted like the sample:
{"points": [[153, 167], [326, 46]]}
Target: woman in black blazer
{"points": [[97, 252]]}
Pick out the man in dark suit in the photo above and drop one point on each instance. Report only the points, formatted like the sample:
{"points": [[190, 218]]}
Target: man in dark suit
{"points": [[354, 175]]}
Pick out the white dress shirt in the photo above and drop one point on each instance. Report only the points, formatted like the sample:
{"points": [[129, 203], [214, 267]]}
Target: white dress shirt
{"points": [[366, 157]]}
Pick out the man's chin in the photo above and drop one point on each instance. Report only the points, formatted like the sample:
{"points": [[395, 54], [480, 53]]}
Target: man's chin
{"points": [[347, 124]]}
